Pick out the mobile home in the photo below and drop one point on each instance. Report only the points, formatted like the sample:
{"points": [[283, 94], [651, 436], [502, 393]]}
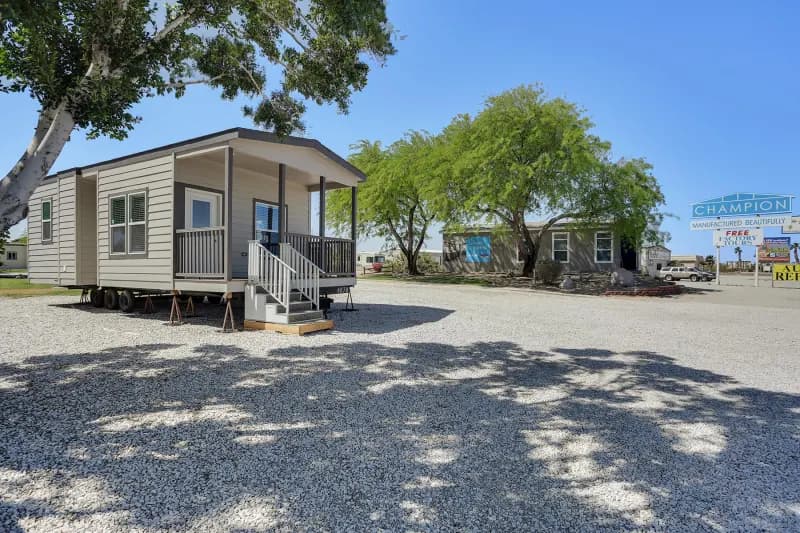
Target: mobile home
{"points": [[225, 213]]}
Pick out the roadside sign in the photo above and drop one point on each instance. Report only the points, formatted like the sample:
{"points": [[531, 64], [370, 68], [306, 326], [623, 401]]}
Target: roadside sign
{"points": [[705, 224], [743, 204], [793, 226], [775, 250], [786, 272], [738, 237]]}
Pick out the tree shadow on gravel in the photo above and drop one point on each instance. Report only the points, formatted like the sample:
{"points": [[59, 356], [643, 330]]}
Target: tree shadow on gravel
{"points": [[424, 436], [368, 318]]}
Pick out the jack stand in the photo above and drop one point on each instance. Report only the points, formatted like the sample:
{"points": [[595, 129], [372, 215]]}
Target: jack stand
{"points": [[175, 318], [228, 313], [84, 297], [189, 311], [349, 305], [148, 305]]}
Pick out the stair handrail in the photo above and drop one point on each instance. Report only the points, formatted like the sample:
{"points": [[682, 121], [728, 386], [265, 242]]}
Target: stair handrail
{"points": [[305, 274], [270, 272]]}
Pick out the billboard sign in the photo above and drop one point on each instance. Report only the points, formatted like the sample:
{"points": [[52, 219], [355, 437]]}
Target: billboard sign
{"points": [[775, 250], [479, 249], [739, 237], [793, 226], [786, 272], [705, 224], [743, 205]]}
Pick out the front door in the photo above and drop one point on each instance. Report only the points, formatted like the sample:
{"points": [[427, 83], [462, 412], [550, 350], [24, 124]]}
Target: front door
{"points": [[203, 209]]}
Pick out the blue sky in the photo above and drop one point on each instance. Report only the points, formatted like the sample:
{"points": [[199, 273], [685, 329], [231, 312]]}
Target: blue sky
{"points": [[708, 92]]}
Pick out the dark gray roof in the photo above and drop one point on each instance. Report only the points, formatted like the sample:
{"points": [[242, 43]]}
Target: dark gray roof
{"points": [[232, 133]]}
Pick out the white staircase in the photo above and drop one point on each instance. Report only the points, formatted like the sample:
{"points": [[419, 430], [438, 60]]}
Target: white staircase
{"points": [[281, 290]]}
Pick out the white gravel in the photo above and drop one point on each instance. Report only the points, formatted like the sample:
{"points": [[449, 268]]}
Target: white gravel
{"points": [[432, 408]]}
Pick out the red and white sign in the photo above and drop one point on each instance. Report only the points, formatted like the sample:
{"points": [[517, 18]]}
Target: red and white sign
{"points": [[739, 237]]}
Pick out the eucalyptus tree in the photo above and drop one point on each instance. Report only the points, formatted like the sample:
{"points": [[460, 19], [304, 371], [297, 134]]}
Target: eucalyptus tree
{"points": [[526, 155], [394, 203], [88, 62]]}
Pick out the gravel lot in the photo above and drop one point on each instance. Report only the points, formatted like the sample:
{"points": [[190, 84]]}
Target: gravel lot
{"points": [[432, 408]]}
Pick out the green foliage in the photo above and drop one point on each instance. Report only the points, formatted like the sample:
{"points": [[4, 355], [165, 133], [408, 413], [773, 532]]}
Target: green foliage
{"points": [[425, 264], [527, 155], [548, 271], [394, 203], [3, 241], [100, 58]]}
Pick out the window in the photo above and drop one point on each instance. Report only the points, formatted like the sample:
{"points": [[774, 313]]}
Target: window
{"points": [[370, 259], [137, 223], [127, 223], [117, 224], [47, 220], [603, 247], [11, 256], [203, 209], [561, 247], [266, 222], [380, 259]]}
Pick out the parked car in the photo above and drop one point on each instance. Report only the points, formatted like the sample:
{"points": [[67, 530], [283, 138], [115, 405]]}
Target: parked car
{"points": [[690, 273]]}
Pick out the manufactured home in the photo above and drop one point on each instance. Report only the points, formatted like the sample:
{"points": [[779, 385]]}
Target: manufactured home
{"points": [[578, 249], [225, 213]]}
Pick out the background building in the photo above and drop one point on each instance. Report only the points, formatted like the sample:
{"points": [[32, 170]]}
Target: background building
{"points": [[15, 256], [494, 249], [653, 258]]}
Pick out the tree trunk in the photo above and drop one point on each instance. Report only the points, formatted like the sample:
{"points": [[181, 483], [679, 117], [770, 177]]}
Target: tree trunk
{"points": [[411, 262], [52, 133]]}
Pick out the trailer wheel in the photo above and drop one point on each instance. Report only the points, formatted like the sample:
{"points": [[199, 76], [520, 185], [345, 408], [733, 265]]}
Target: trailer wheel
{"points": [[112, 299], [127, 301], [98, 297]]}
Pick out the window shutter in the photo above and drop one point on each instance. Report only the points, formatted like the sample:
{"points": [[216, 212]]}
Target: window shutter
{"points": [[118, 210], [138, 208]]}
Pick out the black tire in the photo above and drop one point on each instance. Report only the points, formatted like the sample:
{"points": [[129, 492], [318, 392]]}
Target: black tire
{"points": [[112, 299], [693, 277], [127, 301], [668, 277], [98, 297]]}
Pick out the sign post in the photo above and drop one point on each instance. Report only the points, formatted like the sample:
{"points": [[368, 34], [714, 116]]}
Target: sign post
{"points": [[717, 278], [755, 283]]}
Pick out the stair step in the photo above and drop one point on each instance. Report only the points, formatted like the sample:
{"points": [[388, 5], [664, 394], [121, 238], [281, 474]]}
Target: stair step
{"points": [[303, 316], [298, 328]]}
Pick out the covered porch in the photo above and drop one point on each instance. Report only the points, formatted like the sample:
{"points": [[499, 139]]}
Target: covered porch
{"points": [[248, 190]]}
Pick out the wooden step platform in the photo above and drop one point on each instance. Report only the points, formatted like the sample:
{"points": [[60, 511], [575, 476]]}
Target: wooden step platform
{"points": [[300, 328]]}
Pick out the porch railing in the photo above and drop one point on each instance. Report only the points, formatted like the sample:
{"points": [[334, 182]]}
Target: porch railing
{"points": [[339, 256], [269, 272], [201, 253], [304, 273]]}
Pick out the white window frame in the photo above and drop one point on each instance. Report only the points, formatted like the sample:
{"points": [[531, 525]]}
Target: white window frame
{"points": [[596, 249], [214, 198], [117, 225], [553, 246], [129, 223], [48, 200], [11, 256]]}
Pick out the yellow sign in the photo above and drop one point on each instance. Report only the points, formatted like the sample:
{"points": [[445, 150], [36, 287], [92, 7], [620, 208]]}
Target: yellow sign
{"points": [[786, 272]]}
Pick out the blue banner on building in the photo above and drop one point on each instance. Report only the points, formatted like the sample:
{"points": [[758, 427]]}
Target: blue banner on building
{"points": [[742, 205], [479, 249]]}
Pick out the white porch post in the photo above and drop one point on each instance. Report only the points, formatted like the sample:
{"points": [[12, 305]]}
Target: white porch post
{"points": [[228, 257], [353, 224]]}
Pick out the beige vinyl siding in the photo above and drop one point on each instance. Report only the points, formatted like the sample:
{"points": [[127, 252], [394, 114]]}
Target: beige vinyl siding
{"points": [[86, 242], [247, 186], [53, 262], [153, 271]]}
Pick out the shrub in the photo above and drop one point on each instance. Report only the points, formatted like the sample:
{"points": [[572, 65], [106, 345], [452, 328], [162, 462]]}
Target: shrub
{"points": [[548, 271], [425, 264]]}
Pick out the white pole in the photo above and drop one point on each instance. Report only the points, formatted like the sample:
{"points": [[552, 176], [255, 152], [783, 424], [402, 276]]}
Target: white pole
{"points": [[717, 265], [756, 277]]}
